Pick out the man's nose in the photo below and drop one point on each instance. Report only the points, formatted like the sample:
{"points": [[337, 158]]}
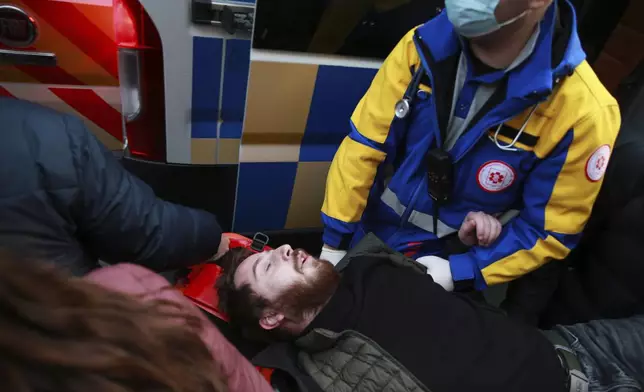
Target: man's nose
{"points": [[285, 252]]}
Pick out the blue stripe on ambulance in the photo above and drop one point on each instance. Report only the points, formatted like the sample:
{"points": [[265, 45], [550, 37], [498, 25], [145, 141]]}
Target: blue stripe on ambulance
{"points": [[337, 92], [236, 69], [206, 81], [264, 195]]}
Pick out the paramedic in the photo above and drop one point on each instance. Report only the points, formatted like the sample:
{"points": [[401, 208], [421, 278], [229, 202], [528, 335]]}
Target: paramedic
{"points": [[64, 198], [377, 322], [490, 106]]}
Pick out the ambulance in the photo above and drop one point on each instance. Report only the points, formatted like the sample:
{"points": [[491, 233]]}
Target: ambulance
{"points": [[232, 106]]}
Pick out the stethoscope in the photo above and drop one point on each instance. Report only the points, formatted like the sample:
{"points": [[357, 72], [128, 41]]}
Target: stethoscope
{"points": [[403, 108], [510, 146]]}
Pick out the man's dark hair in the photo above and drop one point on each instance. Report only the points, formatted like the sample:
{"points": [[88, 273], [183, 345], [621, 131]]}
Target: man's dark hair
{"points": [[241, 304]]}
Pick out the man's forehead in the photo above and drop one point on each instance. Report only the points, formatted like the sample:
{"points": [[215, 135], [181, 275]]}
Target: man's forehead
{"points": [[244, 272]]}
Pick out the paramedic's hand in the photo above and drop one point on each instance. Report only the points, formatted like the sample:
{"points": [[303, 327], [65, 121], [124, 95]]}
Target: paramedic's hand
{"points": [[332, 255], [479, 229], [439, 270], [224, 246]]}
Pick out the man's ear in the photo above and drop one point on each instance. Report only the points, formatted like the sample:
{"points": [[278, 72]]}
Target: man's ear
{"points": [[271, 320]]}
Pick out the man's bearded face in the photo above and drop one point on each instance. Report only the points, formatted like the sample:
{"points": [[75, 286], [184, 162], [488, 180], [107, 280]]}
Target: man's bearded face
{"points": [[292, 281]]}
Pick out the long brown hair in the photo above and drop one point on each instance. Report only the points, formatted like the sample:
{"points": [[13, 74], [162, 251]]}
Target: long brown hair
{"points": [[59, 333]]}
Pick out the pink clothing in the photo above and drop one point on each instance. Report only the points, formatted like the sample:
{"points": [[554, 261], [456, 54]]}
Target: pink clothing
{"points": [[137, 280]]}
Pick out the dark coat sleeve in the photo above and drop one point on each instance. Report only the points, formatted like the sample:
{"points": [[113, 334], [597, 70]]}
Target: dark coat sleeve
{"points": [[119, 218]]}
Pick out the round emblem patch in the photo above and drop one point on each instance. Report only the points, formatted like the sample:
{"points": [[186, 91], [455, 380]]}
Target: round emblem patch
{"points": [[495, 176], [597, 163]]}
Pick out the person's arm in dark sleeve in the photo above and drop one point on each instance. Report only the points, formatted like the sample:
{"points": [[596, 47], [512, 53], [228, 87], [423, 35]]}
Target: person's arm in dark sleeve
{"points": [[120, 219]]}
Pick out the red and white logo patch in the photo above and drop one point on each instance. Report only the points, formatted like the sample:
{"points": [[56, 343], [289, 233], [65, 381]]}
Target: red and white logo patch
{"points": [[597, 163], [495, 176]]}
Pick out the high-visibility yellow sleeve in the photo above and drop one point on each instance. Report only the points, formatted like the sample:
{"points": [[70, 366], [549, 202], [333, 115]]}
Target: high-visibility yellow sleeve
{"points": [[356, 162]]}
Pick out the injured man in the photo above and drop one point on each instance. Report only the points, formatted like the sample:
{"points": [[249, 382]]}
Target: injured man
{"points": [[379, 322]]}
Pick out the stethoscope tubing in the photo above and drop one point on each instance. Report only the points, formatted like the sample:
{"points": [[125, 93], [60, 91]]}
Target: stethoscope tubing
{"points": [[403, 107]]}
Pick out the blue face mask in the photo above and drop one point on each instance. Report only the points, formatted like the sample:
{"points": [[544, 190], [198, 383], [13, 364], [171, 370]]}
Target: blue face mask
{"points": [[474, 18]]}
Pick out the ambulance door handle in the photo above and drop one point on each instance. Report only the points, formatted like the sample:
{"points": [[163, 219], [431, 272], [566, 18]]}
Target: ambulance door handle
{"points": [[227, 19], [20, 57], [230, 15]]}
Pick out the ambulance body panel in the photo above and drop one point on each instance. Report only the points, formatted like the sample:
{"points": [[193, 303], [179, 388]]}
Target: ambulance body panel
{"points": [[276, 116], [83, 80], [229, 106]]}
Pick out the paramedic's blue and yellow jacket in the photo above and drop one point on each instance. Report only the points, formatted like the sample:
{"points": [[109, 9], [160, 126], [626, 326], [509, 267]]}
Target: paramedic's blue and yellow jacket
{"points": [[378, 179]]}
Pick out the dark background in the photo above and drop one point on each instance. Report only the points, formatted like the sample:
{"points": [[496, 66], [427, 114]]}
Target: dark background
{"points": [[291, 25]]}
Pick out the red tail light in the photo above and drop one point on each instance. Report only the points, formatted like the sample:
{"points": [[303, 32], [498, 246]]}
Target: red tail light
{"points": [[125, 27], [133, 27], [141, 80]]}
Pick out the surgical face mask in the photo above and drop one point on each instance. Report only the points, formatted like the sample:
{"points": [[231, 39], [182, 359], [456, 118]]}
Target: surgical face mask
{"points": [[474, 18]]}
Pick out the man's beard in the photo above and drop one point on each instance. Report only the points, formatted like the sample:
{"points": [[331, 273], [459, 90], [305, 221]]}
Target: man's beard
{"points": [[309, 296]]}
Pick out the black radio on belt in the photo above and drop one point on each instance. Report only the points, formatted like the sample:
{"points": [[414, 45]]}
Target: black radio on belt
{"points": [[440, 175]]}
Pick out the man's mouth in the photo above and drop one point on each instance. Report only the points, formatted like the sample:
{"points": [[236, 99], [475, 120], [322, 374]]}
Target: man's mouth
{"points": [[305, 259]]}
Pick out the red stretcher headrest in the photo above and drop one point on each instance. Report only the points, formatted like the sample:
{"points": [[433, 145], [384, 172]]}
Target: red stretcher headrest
{"points": [[199, 284]]}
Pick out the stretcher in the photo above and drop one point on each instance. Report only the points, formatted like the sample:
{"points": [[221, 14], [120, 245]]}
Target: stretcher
{"points": [[198, 285]]}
